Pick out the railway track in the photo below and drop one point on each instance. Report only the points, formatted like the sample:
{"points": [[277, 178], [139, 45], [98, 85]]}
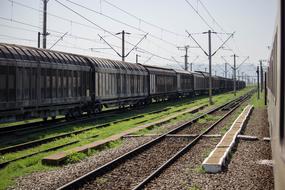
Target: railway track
{"points": [[33, 143], [138, 167], [44, 125]]}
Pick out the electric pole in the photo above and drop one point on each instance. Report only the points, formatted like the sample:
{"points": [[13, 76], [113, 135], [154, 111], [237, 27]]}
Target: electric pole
{"points": [[265, 89], [185, 56], [238, 76], [226, 70], [257, 71], [123, 55], [137, 58], [39, 39], [210, 67], [45, 24], [234, 74], [210, 54], [123, 44], [261, 76]]}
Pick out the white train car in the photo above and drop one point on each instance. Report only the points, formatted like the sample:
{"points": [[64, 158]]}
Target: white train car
{"points": [[276, 100]]}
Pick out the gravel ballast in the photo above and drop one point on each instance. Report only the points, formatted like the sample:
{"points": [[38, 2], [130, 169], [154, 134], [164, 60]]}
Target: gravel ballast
{"points": [[56, 178], [134, 170], [245, 169]]}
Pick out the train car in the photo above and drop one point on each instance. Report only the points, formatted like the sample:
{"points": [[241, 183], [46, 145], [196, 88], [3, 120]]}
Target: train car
{"points": [[118, 83], [162, 83], [229, 84], [185, 83], [200, 86], [216, 84], [222, 84], [275, 98], [41, 83]]}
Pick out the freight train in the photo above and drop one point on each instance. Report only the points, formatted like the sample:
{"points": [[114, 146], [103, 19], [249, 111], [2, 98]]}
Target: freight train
{"points": [[42, 83], [275, 98]]}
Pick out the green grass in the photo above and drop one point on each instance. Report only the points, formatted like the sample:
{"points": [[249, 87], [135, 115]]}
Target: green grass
{"points": [[208, 118], [33, 164], [101, 180], [200, 170], [194, 187], [258, 103], [232, 119]]}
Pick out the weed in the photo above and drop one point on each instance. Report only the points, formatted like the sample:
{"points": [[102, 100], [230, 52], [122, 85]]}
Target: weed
{"points": [[199, 169], [75, 157], [101, 180], [207, 152], [33, 164], [194, 187]]}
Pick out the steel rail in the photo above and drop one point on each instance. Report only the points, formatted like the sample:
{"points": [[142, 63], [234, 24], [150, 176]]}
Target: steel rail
{"points": [[33, 143], [184, 150], [112, 164]]}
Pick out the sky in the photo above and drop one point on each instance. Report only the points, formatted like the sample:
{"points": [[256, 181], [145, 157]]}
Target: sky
{"points": [[164, 21]]}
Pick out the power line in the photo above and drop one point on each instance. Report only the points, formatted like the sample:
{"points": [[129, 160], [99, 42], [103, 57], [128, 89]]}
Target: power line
{"points": [[51, 30], [53, 15], [107, 31], [204, 20], [142, 20], [101, 28], [102, 14], [208, 12], [121, 22]]}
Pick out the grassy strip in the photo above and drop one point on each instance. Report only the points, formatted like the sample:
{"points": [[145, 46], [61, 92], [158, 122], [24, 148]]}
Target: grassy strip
{"points": [[33, 164], [219, 100], [258, 103]]}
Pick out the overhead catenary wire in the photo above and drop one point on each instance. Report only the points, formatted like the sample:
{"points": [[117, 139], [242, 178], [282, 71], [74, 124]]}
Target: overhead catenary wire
{"points": [[88, 26], [124, 23], [107, 31], [204, 20], [51, 30], [142, 20], [18, 3]]}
